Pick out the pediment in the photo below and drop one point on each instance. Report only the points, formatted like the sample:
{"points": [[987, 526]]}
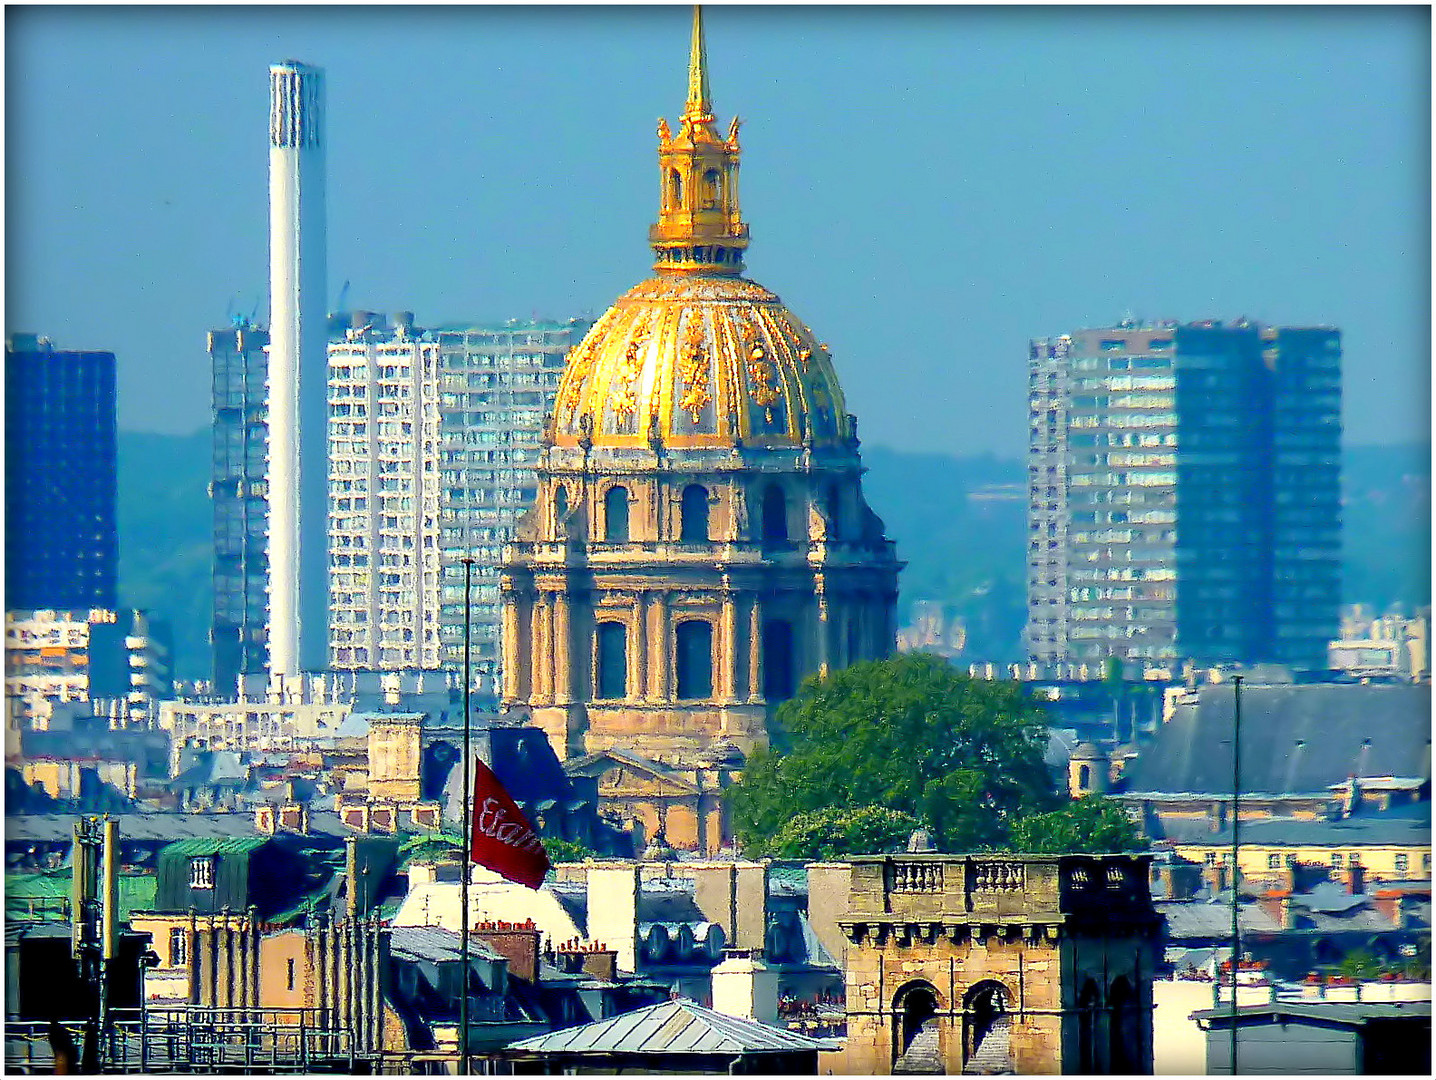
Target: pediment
{"points": [[622, 775]]}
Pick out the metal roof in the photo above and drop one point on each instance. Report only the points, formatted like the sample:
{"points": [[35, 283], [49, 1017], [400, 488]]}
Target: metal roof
{"points": [[438, 945], [1338, 1012], [136, 891], [673, 1027], [226, 845], [1187, 919], [52, 828], [1408, 824], [1296, 739]]}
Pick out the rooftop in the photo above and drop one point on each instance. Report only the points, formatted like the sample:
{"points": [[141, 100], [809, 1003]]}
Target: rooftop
{"points": [[672, 1027], [1346, 1013]]}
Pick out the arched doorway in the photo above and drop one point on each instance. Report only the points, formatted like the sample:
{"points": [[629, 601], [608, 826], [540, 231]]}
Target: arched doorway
{"points": [[916, 1048], [1124, 1032], [1088, 1002], [986, 1045]]}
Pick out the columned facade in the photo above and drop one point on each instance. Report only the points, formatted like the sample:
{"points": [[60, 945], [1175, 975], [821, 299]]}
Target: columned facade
{"points": [[699, 542]]}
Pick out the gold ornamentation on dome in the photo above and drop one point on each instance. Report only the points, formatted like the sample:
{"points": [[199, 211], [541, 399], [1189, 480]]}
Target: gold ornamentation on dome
{"points": [[580, 360], [625, 392], [664, 133], [693, 369], [760, 378]]}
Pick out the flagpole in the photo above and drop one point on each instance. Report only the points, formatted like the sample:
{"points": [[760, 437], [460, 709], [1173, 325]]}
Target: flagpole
{"points": [[1236, 851], [464, 1064]]}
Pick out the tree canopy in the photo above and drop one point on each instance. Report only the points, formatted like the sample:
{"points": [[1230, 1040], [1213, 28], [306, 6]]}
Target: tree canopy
{"points": [[834, 831], [1091, 823], [909, 734]]}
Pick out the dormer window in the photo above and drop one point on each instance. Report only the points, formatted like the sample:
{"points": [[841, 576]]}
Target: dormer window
{"points": [[201, 873]]}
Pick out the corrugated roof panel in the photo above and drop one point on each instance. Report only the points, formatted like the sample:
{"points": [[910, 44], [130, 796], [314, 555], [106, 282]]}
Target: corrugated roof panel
{"points": [[680, 1031], [210, 845]]}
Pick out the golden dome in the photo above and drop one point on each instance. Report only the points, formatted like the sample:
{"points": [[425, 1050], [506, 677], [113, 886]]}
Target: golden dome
{"points": [[699, 356], [699, 361]]}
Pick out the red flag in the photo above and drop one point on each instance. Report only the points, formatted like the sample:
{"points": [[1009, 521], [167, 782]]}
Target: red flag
{"points": [[502, 838]]}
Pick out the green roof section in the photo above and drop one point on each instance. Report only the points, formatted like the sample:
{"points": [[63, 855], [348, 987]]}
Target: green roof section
{"points": [[225, 845], [44, 895]]}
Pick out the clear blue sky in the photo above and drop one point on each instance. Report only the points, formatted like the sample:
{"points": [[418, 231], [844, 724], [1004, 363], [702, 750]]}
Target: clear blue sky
{"points": [[927, 187]]}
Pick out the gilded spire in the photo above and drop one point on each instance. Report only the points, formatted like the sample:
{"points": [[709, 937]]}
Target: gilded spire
{"points": [[700, 99], [700, 229]]}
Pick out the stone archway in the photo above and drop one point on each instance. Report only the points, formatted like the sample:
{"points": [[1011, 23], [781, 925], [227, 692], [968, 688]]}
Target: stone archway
{"points": [[1124, 1032], [916, 1043], [1088, 1003], [986, 1042]]}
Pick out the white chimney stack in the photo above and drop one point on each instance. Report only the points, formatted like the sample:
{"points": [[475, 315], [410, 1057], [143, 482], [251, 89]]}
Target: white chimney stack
{"points": [[298, 372]]}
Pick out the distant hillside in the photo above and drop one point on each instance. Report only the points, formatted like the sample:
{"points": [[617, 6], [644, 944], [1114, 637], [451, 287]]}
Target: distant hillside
{"points": [[1386, 496], [165, 546], [959, 523]]}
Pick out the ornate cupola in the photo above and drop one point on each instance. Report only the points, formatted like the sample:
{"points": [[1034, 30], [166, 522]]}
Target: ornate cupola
{"points": [[700, 229], [699, 541]]}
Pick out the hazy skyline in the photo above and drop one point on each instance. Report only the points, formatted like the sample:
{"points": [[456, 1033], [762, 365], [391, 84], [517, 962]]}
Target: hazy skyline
{"points": [[928, 188]]}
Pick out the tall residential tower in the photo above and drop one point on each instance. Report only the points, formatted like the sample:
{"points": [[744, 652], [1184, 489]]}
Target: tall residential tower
{"points": [[497, 384], [298, 382], [1184, 494], [61, 543], [238, 632], [384, 496]]}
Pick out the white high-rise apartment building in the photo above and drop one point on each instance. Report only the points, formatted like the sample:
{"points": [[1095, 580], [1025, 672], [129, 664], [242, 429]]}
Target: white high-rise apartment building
{"points": [[498, 383], [384, 497]]}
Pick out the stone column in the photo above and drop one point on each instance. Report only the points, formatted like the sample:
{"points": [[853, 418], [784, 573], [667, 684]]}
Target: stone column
{"points": [[755, 649], [509, 658], [539, 661], [549, 654], [563, 649], [727, 667], [638, 651], [663, 634]]}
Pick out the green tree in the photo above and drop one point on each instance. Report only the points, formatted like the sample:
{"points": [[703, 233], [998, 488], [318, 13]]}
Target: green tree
{"points": [[961, 755], [1359, 964], [567, 851], [834, 831], [1091, 823]]}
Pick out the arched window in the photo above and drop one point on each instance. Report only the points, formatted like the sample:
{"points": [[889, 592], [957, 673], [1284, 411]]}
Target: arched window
{"points": [[675, 189], [615, 515], [835, 512], [712, 189], [693, 525], [775, 514], [1124, 1033], [695, 659], [915, 1042], [560, 503], [985, 1021], [779, 682], [1084, 778], [610, 677], [1087, 1006]]}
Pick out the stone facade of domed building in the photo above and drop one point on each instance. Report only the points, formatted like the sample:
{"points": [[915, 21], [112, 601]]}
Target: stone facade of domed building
{"points": [[699, 542]]}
